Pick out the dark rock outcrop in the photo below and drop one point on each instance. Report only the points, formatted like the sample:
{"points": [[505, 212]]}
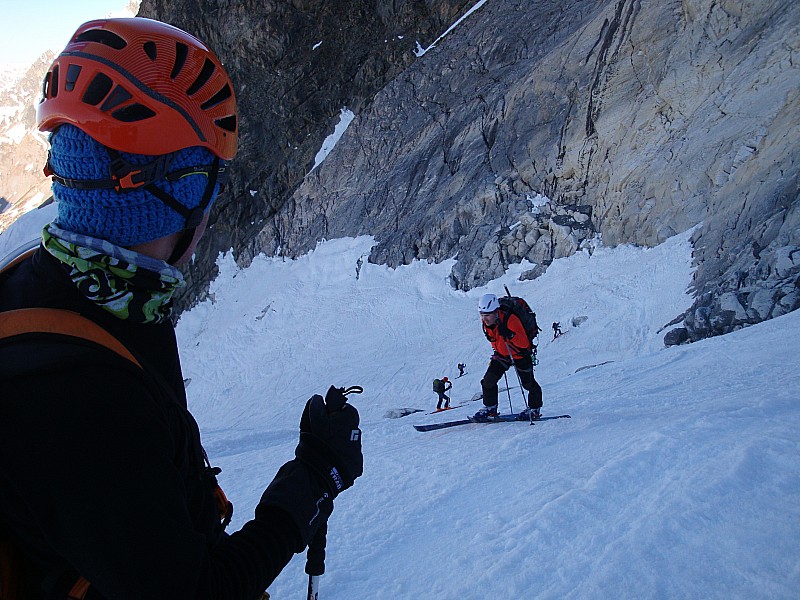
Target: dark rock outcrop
{"points": [[295, 64], [657, 117]]}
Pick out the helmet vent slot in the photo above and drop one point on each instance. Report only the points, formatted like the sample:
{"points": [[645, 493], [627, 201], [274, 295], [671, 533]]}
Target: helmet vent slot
{"points": [[205, 74], [181, 52], [217, 98], [227, 123], [54, 82], [150, 49], [102, 36], [46, 85], [72, 76], [117, 97], [132, 113], [98, 89]]}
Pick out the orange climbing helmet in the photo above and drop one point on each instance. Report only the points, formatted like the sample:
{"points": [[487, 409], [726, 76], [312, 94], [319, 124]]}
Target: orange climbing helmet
{"points": [[141, 86]]}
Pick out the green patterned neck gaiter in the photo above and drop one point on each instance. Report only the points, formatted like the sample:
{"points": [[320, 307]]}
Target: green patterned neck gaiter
{"points": [[130, 286]]}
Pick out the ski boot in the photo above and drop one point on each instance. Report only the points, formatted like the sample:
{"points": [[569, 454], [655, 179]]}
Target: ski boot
{"points": [[529, 414], [484, 414]]}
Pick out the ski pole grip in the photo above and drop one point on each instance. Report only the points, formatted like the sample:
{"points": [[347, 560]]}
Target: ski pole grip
{"points": [[336, 398], [315, 556]]}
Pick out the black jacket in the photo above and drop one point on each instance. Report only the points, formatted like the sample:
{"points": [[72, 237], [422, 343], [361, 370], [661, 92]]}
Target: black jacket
{"points": [[101, 469]]}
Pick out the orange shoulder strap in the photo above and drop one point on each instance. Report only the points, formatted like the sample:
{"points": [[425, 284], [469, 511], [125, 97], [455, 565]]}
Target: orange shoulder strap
{"points": [[55, 320], [63, 322]]}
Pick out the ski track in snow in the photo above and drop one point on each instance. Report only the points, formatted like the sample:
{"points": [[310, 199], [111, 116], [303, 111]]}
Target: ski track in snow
{"points": [[677, 476]]}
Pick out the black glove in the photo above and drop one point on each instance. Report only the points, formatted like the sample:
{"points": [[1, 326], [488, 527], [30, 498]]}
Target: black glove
{"points": [[504, 331], [330, 440], [329, 453], [301, 493]]}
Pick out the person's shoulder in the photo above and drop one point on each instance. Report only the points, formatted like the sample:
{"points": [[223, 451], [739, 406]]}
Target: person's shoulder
{"points": [[58, 355]]}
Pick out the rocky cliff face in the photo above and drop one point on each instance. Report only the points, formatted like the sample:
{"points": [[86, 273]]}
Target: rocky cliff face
{"points": [[638, 119], [23, 150], [295, 64]]}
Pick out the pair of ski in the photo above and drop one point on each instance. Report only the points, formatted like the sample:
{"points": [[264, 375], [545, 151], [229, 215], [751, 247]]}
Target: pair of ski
{"points": [[499, 419]]}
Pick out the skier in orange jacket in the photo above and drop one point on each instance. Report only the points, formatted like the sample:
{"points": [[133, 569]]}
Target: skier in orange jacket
{"points": [[511, 346]]}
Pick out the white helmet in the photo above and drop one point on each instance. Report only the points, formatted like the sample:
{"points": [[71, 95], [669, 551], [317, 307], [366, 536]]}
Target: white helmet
{"points": [[488, 303]]}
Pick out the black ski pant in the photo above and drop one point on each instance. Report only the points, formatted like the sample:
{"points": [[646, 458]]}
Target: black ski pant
{"points": [[498, 365], [443, 398]]}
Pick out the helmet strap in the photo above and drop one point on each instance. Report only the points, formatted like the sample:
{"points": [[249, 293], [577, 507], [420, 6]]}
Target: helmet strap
{"points": [[187, 235], [193, 216], [125, 176]]}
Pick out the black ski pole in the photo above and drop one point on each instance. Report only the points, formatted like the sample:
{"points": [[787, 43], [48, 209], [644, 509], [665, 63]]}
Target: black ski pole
{"points": [[315, 561], [508, 391], [521, 389], [519, 379]]}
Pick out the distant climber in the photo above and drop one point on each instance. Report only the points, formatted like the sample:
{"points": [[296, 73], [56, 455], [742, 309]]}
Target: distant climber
{"points": [[440, 386]]}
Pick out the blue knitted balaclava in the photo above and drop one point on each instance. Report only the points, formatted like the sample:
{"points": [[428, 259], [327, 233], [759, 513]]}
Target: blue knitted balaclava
{"points": [[123, 218]]}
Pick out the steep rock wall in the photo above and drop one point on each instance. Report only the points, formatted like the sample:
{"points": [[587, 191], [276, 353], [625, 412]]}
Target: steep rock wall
{"points": [[295, 64], [638, 119]]}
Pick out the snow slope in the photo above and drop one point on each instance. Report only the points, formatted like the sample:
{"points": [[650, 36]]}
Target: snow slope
{"points": [[677, 477]]}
